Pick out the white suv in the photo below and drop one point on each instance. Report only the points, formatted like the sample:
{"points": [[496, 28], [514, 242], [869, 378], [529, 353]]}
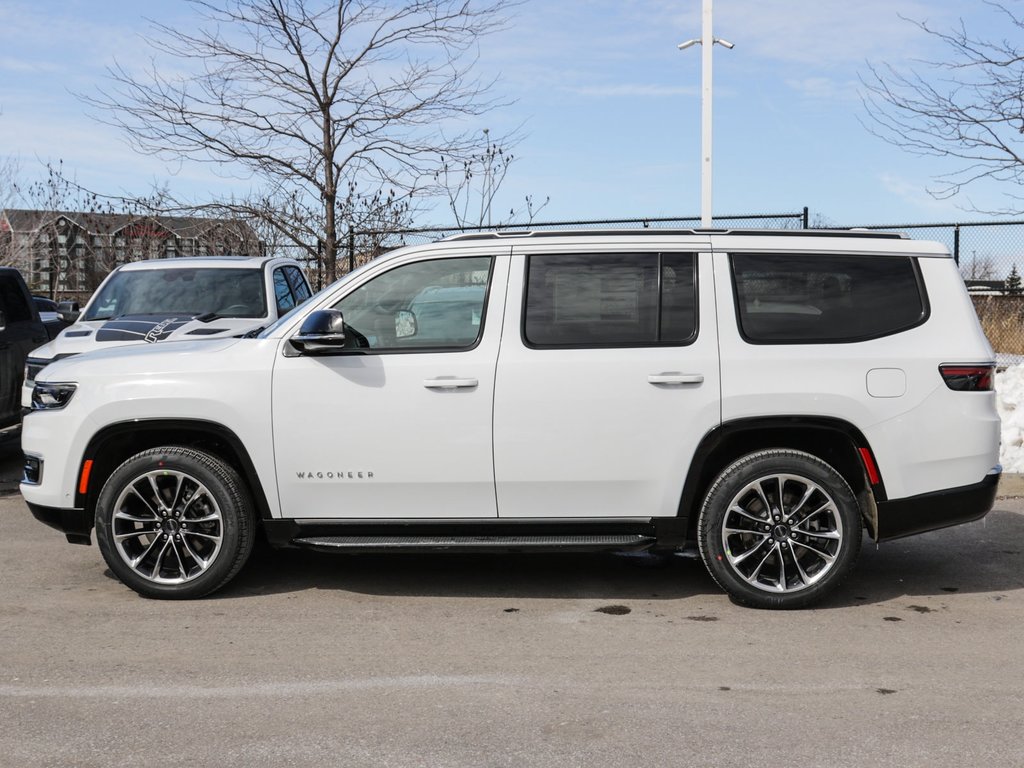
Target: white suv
{"points": [[768, 395], [176, 299]]}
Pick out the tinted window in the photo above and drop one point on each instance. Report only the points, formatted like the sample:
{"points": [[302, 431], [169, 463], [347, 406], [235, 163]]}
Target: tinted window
{"points": [[282, 292], [300, 289], [610, 299], [784, 298], [12, 301], [435, 304]]}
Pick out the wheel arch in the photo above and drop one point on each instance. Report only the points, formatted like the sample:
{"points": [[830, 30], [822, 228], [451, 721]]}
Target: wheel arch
{"points": [[834, 441], [115, 443]]}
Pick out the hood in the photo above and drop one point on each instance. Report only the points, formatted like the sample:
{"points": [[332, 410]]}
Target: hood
{"points": [[153, 328], [138, 358], [144, 329]]}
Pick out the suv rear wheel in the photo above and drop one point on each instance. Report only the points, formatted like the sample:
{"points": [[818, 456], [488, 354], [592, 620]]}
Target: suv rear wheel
{"points": [[779, 529], [174, 522]]}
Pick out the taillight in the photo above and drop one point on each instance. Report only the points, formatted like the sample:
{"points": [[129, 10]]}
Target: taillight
{"points": [[968, 378]]}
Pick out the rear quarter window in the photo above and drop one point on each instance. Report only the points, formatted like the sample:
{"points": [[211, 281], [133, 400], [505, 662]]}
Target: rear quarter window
{"points": [[815, 299]]}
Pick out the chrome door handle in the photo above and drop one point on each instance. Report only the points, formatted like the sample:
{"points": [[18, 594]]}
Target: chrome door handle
{"points": [[676, 378], [450, 383]]}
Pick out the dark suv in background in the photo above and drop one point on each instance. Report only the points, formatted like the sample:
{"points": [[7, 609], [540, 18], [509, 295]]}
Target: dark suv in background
{"points": [[21, 331]]}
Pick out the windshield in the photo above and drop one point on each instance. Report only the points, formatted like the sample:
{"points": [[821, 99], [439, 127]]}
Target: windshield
{"points": [[200, 291]]}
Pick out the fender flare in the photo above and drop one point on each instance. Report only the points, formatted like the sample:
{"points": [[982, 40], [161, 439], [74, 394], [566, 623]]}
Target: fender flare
{"points": [[172, 428]]}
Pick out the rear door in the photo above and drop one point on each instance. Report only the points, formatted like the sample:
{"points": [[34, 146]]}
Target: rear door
{"points": [[607, 379]]}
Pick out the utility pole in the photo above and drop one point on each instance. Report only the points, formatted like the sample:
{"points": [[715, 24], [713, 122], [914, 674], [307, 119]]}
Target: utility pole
{"points": [[706, 41]]}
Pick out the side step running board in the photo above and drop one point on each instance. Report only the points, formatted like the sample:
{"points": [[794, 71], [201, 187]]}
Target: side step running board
{"points": [[476, 543]]}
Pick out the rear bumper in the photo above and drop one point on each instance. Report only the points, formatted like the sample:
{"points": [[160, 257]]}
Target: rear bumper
{"points": [[75, 524], [941, 509]]}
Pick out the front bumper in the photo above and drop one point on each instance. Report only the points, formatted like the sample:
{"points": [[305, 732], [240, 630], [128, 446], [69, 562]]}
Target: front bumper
{"points": [[941, 509], [75, 524]]}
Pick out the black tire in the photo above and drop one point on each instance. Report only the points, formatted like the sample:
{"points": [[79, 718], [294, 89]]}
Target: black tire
{"points": [[174, 523], [771, 555]]}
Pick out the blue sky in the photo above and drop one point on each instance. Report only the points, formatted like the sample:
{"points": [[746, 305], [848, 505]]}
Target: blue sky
{"points": [[610, 108]]}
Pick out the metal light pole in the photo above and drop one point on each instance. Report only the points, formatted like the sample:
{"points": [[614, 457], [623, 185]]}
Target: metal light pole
{"points": [[707, 41]]}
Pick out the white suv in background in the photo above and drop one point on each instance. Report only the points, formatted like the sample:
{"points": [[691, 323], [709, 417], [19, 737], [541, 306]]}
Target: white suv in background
{"points": [[767, 395], [177, 299]]}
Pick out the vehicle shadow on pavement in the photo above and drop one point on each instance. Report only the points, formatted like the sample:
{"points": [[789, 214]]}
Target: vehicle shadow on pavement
{"points": [[986, 557], [497, 575], [10, 464]]}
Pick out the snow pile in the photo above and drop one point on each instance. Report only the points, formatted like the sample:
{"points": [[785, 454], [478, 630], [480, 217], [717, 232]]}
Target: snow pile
{"points": [[1010, 404]]}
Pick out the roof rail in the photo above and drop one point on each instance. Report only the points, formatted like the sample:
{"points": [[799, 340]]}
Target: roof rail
{"points": [[648, 232]]}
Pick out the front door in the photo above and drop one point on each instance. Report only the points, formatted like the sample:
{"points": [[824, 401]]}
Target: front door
{"points": [[606, 382], [400, 426]]}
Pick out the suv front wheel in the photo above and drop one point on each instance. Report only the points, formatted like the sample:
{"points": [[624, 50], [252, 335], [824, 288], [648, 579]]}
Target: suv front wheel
{"points": [[173, 522], [779, 529]]}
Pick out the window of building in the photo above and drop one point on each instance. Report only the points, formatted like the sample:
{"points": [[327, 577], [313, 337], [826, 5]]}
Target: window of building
{"points": [[812, 298], [610, 300]]}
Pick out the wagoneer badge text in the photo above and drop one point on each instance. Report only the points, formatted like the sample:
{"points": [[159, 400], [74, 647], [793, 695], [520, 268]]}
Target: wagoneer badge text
{"points": [[334, 475]]}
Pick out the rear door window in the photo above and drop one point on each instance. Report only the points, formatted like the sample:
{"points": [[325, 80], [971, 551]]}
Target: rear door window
{"points": [[610, 300], [300, 289], [282, 292]]}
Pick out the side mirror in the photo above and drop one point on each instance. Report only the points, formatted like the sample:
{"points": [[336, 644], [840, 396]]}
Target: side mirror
{"points": [[3, 321], [405, 324], [68, 311], [322, 333]]}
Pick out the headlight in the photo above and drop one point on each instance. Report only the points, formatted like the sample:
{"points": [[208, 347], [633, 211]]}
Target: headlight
{"points": [[33, 367], [51, 397]]}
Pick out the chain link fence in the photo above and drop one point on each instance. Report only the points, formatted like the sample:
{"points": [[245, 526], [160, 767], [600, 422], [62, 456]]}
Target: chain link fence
{"points": [[796, 220], [990, 256], [363, 246], [991, 259]]}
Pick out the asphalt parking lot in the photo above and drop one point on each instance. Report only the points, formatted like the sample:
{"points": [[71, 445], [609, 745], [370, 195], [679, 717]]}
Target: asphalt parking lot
{"points": [[310, 660]]}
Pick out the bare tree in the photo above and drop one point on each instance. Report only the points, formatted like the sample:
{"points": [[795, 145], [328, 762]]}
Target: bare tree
{"points": [[981, 267], [57, 240], [9, 248], [310, 98], [471, 185], [968, 107], [370, 221]]}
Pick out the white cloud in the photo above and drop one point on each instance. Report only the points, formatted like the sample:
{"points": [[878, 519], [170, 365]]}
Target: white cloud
{"points": [[816, 46], [11, 64], [632, 89], [817, 32], [826, 89], [915, 193]]}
